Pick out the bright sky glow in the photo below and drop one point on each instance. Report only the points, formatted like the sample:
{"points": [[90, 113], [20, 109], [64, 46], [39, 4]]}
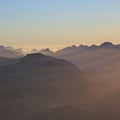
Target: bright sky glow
{"points": [[58, 23]]}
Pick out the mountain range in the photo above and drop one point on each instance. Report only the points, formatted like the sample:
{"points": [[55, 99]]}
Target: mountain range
{"points": [[75, 83], [10, 52]]}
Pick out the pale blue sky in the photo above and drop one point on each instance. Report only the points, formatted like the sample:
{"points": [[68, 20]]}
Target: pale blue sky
{"points": [[58, 23]]}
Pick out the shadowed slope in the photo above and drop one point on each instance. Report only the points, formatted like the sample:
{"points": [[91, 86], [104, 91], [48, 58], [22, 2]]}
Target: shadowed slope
{"points": [[38, 83]]}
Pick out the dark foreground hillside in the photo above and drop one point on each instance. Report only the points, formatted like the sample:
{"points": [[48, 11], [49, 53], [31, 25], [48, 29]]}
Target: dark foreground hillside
{"points": [[37, 84], [39, 87]]}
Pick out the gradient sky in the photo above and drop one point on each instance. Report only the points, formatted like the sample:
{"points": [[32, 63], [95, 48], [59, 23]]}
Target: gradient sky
{"points": [[58, 23]]}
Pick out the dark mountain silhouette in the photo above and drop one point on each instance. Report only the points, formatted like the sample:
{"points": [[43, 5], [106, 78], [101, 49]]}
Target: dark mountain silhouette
{"points": [[110, 45], [10, 52], [4, 61], [106, 45], [38, 83]]}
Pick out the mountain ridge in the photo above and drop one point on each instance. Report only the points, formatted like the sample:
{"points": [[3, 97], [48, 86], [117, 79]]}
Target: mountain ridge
{"points": [[37, 82]]}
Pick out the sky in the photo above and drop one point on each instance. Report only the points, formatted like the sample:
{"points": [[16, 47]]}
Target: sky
{"points": [[58, 23]]}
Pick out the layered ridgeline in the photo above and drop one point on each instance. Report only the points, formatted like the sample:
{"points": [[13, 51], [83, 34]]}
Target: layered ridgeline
{"points": [[87, 58], [40, 87], [90, 57], [102, 63], [39, 83]]}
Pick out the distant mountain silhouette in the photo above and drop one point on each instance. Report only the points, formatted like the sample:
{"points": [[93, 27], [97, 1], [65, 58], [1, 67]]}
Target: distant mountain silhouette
{"points": [[16, 53], [37, 83], [46, 51], [106, 45], [73, 49], [90, 57], [10, 52]]}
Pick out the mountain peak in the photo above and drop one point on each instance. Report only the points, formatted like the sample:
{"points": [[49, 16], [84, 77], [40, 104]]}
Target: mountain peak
{"points": [[34, 55], [38, 60], [47, 49], [38, 63], [35, 58], [106, 44]]}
